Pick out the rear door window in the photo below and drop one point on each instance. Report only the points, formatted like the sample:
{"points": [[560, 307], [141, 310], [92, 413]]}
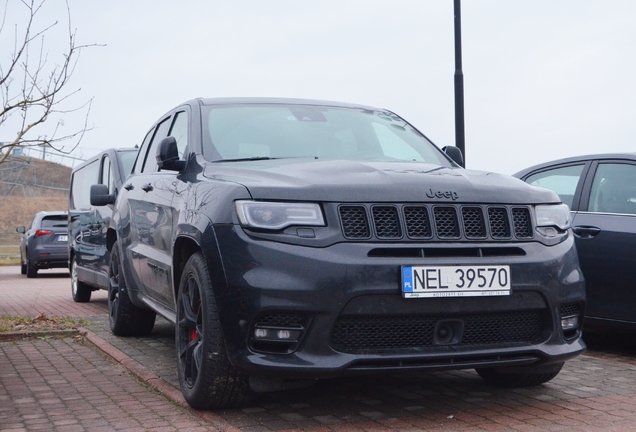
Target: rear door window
{"points": [[614, 189]]}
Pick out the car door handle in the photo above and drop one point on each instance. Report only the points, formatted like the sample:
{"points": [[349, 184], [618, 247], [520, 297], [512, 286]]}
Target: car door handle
{"points": [[585, 231], [129, 186], [147, 187]]}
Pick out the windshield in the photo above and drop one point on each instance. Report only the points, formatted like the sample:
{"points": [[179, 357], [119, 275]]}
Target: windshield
{"points": [[127, 159], [305, 131]]}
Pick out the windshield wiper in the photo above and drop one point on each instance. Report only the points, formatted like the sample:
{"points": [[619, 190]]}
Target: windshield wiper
{"points": [[259, 158], [253, 158]]}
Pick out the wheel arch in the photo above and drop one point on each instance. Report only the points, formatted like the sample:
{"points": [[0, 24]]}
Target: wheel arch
{"points": [[71, 257], [111, 238], [184, 248]]}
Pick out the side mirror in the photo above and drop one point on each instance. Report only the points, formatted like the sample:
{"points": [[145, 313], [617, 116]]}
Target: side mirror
{"points": [[168, 155], [21, 229], [100, 195], [455, 154]]}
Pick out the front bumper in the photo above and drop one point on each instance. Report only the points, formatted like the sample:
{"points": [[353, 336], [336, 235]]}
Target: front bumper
{"points": [[347, 312]]}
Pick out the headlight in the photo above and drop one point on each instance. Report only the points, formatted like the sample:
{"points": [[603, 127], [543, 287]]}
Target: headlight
{"points": [[553, 215], [278, 215]]}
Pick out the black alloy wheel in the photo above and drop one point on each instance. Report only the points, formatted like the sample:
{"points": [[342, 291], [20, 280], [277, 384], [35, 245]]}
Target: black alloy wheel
{"points": [[206, 376], [124, 318], [80, 292]]}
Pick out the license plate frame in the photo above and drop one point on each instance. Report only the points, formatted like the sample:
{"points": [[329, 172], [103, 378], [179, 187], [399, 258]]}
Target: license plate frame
{"points": [[455, 281]]}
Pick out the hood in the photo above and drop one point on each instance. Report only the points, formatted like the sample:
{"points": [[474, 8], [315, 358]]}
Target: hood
{"points": [[356, 181]]}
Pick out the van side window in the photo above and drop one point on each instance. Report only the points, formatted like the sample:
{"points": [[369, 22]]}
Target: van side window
{"points": [[81, 186]]}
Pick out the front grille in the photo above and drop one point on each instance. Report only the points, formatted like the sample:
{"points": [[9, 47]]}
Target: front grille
{"points": [[521, 218], [435, 222], [499, 225], [446, 223], [418, 225], [364, 334], [280, 319], [386, 222], [570, 309], [473, 219], [354, 222]]}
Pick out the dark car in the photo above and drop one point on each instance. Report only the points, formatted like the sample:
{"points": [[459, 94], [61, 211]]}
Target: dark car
{"points": [[44, 244], [292, 240], [88, 224], [601, 192]]}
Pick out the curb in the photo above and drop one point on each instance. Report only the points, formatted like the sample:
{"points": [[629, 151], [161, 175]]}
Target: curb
{"points": [[12, 336], [153, 380]]}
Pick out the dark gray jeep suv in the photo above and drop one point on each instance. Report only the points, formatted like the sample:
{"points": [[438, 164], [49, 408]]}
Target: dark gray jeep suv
{"points": [[292, 240]]}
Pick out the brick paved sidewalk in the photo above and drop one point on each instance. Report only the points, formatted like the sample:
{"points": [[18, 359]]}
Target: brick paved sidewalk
{"points": [[49, 293], [594, 392], [59, 384]]}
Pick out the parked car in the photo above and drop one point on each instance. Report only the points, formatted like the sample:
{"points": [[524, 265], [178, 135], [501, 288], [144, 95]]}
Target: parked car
{"points": [[44, 244], [88, 224], [292, 240], [601, 192]]}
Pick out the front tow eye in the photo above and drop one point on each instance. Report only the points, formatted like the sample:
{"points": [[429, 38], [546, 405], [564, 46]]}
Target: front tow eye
{"points": [[448, 332]]}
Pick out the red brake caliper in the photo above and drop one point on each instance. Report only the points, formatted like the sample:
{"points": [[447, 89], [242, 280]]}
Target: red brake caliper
{"points": [[193, 330]]}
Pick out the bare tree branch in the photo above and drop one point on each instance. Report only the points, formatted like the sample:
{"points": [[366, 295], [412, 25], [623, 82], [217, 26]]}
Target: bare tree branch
{"points": [[35, 90]]}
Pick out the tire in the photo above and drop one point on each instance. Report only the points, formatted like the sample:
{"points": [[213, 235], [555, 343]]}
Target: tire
{"points": [[206, 376], [520, 377], [31, 270], [23, 267], [80, 292], [124, 318]]}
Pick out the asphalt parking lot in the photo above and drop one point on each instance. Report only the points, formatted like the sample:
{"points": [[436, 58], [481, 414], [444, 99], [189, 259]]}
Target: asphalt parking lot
{"points": [[102, 382]]}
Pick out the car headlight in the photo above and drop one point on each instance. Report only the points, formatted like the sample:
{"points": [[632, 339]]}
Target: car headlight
{"points": [[553, 215], [278, 215]]}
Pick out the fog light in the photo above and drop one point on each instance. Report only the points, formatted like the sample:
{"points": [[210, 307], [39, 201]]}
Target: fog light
{"points": [[284, 334], [271, 334], [570, 322], [260, 333]]}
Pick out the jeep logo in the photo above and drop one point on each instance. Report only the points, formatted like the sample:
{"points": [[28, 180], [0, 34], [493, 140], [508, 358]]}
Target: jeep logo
{"points": [[439, 194]]}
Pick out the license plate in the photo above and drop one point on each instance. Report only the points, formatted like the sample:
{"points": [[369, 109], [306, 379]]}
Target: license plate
{"points": [[62, 238], [455, 281]]}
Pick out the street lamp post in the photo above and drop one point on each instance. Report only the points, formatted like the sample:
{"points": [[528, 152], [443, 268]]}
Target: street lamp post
{"points": [[459, 83]]}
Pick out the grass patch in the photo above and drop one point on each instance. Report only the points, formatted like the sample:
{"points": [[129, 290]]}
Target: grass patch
{"points": [[11, 323], [9, 254]]}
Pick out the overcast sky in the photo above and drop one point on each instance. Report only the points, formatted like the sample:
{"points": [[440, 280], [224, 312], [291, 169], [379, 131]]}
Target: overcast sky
{"points": [[544, 79]]}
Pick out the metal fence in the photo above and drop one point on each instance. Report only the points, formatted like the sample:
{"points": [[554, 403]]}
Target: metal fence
{"points": [[19, 176]]}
